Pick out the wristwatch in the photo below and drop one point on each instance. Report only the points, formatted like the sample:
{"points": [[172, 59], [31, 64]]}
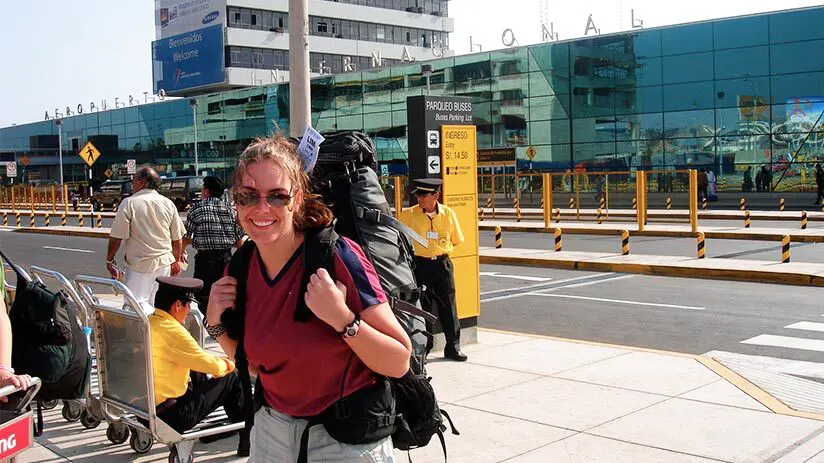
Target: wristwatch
{"points": [[214, 331], [351, 330]]}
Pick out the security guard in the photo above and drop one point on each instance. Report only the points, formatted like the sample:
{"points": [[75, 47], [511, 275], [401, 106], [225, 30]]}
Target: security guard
{"points": [[439, 225], [184, 395]]}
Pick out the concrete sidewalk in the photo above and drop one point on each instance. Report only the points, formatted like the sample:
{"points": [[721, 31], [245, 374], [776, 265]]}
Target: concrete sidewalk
{"points": [[813, 215], [524, 399]]}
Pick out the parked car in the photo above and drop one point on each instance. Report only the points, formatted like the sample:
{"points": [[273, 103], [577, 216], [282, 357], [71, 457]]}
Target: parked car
{"points": [[111, 193], [183, 191]]}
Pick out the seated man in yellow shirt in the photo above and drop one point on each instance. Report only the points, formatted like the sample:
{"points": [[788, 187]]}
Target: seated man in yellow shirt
{"points": [[177, 358]]}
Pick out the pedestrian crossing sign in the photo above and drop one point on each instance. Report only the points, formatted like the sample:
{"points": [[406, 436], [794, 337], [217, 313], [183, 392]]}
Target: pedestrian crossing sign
{"points": [[89, 153]]}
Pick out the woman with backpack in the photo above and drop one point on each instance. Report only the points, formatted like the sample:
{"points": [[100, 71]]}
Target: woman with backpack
{"points": [[350, 341]]}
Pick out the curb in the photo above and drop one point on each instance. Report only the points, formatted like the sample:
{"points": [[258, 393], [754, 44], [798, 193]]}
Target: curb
{"points": [[754, 276], [91, 233], [742, 383]]}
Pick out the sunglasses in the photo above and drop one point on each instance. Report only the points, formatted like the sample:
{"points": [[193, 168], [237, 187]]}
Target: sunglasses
{"points": [[251, 199]]}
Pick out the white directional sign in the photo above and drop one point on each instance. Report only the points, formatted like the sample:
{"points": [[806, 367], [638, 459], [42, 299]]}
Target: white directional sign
{"points": [[433, 164], [131, 166], [11, 169]]}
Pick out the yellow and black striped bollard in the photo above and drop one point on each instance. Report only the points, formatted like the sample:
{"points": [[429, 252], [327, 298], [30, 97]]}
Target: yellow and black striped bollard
{"points": [[558, 215], [624, 242], [598, 215], [46, 219], [803, 220], [5, 219], [17, 218], [99, 223], [80, 219], [785, 249], [743, 203], [488, 203], [63, 219], [31, 220], [559, 243], [781, 204], [572, 203], [701, 250], [747, 219], [499, 241], [634, 204], [517, 205], [669, 203], [705, 204], [602, 203], [480, 214], [542, 202], [114, 206]]}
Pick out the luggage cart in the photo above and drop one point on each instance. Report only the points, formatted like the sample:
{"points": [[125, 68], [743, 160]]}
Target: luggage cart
{"points": [[16, 421], [122, 337], [86, 409]]}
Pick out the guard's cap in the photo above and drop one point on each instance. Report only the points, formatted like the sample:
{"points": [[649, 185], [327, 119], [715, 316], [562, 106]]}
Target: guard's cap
{"points": [[177, 288], [426, 185]]}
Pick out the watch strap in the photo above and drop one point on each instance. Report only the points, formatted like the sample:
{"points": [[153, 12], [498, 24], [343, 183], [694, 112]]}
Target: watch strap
{"points": [[215, 331], [355, 325]]}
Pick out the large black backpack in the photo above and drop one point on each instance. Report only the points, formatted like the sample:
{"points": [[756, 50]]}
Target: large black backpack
{"points": [[345, 177], [48, 341]]}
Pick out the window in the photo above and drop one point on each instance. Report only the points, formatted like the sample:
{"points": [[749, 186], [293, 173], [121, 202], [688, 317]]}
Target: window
{"points": [[257, 58], [381, 33], [322, 27], [254, 18]]}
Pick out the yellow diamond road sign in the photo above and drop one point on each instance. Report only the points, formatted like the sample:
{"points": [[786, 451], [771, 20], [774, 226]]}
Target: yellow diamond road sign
{"points": [[89, 153]]}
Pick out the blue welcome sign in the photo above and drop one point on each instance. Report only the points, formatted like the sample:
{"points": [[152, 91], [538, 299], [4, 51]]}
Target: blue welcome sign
{"points": [[190, 60]]}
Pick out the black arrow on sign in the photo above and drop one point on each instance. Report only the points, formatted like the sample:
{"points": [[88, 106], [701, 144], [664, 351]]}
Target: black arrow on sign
{"points": [[433, 163]]}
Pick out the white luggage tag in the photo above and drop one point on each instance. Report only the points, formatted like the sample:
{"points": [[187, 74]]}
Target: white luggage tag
{"points": [[309, 147]]}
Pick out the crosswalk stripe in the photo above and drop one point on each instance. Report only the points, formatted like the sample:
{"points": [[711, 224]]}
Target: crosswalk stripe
{"points": [[772, 340], [809, 326]]}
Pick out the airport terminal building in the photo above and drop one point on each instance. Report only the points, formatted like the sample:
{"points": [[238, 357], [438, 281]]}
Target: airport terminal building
{"points": [[726, 93]]}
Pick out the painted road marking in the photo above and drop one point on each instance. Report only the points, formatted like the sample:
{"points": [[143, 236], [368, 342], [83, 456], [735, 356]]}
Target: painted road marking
{"points": [[770, 364], [617, 301], [523, 291], [58, 248], [514, 277], [587, 283], [772, 340], [809, 326]]}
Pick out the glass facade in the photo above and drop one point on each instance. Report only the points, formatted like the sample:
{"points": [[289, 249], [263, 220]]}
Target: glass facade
{"points": [[726, 94]]}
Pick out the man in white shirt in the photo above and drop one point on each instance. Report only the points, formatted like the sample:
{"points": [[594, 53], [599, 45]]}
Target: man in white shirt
{"points": [[153, 232]]}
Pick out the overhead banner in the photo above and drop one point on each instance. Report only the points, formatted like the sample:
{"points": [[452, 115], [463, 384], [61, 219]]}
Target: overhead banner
{"points": [[174, 17], [190, 60]]}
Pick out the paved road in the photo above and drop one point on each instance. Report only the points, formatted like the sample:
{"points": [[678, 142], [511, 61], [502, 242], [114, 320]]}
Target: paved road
{"points": [[684, 315]]}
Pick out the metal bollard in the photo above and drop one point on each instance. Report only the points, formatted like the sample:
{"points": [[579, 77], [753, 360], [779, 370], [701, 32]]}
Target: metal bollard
{"points": [[99, 223], [781, 204], [803, 220], [542, 202], [31, 220], [558, 240], [747, 219], [558, 215], [517, 205], [480, 214], [634, 204], [115, 204], [80, 219], [572, 203], [598, 215], [63, 219], [17, 218], [705, 204], [669, 203], [602, 203], [701, 252], [785, 249], [5, 219], [743, 203], [47, 219], [624, 242], [499, 241]]}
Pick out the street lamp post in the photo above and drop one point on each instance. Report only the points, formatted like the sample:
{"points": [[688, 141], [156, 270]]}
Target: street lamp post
{"points": [[59, 124], [193, 104], [299, 109]]}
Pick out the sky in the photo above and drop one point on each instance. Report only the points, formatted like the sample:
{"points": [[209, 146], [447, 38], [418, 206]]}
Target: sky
{"points": [[83, 51]]}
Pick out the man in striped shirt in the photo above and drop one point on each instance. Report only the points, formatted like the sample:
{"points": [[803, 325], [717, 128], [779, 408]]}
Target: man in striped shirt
{"points": [[212, 229]]}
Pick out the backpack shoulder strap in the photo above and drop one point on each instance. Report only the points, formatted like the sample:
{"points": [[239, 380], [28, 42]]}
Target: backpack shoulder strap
{"points": [[234, 321], [318, 253]]}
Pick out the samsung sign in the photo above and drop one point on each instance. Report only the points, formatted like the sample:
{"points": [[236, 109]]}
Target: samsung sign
{"points": [[174, 17], [190, 60]]}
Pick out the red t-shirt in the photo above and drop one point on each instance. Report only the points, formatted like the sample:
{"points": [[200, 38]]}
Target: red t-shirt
{"points": [[306, 367]]}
